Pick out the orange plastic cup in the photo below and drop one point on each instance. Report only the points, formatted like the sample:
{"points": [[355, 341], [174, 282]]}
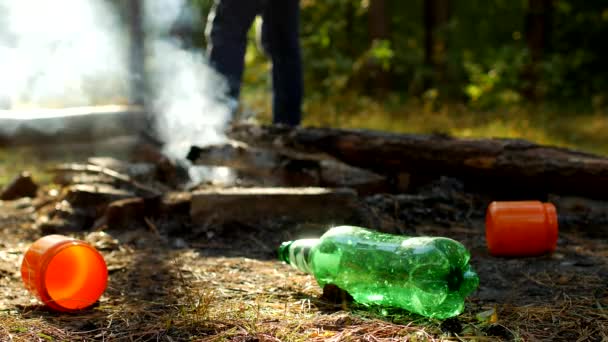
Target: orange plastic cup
{"points": [[521, 228], [66, 274]]}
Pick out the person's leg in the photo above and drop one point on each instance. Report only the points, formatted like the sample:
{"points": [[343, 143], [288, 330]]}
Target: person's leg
{"points": [[280, 38], [228, 23]]}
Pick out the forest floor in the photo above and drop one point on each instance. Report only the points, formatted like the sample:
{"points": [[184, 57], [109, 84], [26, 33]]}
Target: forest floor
{"points": [[225, 283], [231, 287]]}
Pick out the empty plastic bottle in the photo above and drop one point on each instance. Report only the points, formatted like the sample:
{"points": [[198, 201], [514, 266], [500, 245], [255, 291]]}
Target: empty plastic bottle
{"points": [[430, 276]]}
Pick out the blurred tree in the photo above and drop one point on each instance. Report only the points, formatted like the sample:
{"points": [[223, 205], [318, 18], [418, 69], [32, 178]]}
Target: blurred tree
{"points": [[379, 35], [576, 68], [136, 52], [538, 30], [489, 53], [436, 17]]}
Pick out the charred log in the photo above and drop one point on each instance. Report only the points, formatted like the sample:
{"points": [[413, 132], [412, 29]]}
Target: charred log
{"points": [[516, 167], [321, 205], [277, 168]]}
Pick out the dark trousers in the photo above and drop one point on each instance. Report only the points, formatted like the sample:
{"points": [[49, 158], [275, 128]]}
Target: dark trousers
{"points": [[229, 22]]}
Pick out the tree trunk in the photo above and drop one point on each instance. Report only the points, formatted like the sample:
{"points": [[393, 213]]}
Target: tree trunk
{"points": [[436, 17], [504, 165], [379, 30], [137, 51], [350, 27], [538, 30]]}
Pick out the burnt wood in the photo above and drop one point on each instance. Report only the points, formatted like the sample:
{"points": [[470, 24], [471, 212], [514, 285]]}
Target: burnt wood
{"points": [[511, 165]]}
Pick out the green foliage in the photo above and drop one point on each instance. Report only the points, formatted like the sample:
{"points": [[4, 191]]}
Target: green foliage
{"points": [[486, 54], [331, 43], [576, 64], [382, 53], [496, 79]]}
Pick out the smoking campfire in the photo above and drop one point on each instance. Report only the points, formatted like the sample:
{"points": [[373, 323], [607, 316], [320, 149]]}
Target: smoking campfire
{"points": [[188, 209], [293, 182]]}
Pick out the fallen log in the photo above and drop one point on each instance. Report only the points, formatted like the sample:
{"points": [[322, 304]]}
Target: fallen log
{"points": [[143, 172], [276, 168], [144, 189], [517, 166], [69, 125], [94, 195], [321, 205]]}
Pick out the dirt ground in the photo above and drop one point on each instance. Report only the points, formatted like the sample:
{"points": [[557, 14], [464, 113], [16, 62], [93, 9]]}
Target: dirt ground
{"points": [[225, 284]]}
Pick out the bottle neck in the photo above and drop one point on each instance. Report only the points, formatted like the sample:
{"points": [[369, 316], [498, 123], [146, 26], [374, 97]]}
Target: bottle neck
{"points": [[297, 253]]}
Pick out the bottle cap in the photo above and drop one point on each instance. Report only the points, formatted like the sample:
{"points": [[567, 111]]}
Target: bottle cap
{"points": [[521, 228], [66, 274]]}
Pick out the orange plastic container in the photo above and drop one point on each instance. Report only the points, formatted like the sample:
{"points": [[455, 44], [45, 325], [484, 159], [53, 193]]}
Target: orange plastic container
{"points": [[66, 274], [521, 228]]}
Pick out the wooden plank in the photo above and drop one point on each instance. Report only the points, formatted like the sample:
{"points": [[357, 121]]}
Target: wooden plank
{"points": [[258, 204]]}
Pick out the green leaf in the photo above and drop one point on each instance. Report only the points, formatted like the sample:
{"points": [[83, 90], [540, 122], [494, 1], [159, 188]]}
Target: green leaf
{"points": [[45, 336]]}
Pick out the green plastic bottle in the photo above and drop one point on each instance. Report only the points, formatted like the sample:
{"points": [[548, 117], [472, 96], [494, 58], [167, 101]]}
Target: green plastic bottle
{"points": [[430, 276]]}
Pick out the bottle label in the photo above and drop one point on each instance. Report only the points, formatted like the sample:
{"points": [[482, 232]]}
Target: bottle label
{"points": [[299, 252]]}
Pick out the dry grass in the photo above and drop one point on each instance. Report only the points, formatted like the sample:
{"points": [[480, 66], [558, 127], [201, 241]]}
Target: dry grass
{"points": [[541, 124], [158, 293], [202, 299], [215, 291]]}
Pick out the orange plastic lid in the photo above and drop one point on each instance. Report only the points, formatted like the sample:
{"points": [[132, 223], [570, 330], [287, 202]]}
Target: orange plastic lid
{"points": [[64, 273], [521, 228]]}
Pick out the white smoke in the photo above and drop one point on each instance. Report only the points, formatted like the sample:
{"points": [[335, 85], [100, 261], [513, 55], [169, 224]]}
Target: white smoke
{"points": [[186, 92], [61, 54], [75, 53]]}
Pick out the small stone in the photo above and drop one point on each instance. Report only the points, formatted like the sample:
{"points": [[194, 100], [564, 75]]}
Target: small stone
{"points": [[102, 241], [22, 186]]}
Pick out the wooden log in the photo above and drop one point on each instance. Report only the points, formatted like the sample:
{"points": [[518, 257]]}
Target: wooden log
{"points": [[251, 205], [94, 195], [144, 190], [508, 164], [282, 169], [144, 172], [69, 125]]}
